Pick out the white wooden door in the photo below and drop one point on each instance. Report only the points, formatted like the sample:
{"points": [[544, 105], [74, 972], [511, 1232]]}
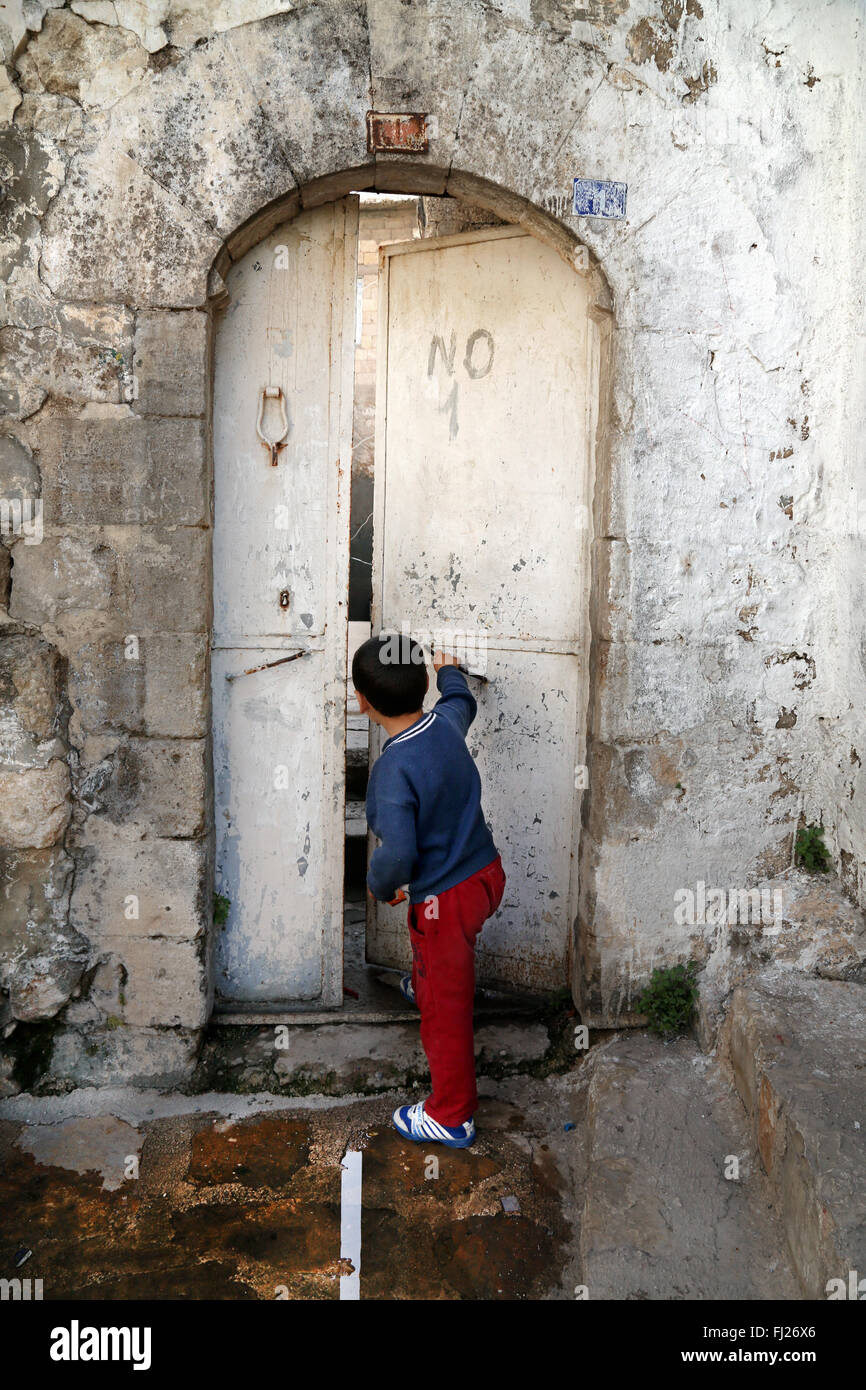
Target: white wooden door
{"points": [[280, 587], [483, 464]]}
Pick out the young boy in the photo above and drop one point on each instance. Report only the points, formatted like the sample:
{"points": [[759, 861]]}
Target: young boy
{"points": [[424, 804]]}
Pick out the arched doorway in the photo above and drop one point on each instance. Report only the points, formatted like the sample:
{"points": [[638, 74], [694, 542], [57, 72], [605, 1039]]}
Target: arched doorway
{"points": [[487, 406]]}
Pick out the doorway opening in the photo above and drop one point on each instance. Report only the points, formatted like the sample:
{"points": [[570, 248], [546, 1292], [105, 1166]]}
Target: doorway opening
{"points": [[455, 355]]}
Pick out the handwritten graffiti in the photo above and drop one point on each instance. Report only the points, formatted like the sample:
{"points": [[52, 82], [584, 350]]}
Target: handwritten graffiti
{"points": [[477, 364]]}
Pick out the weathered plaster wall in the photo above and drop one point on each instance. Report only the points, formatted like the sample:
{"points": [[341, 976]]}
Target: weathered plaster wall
{"points": [[145, 139]]}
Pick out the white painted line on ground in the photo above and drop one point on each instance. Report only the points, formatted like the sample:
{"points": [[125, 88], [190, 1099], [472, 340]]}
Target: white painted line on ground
{"points": [[350, 1223]]}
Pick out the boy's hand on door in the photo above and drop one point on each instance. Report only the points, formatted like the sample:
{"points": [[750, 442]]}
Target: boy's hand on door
{"points": [[441, 659]]}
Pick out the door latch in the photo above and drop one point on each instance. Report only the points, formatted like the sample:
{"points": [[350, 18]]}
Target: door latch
{"points": [[273, 393], [267, 666]]}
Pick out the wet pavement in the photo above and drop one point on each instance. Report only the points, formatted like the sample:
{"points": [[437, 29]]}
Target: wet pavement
{"points": [[221, 1197]]}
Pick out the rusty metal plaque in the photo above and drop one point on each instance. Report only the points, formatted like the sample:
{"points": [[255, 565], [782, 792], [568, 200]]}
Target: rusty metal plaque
{"points": [[397, 132]]}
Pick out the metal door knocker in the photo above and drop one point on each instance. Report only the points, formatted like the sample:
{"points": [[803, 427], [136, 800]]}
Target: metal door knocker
{"points": [[273, 393]]}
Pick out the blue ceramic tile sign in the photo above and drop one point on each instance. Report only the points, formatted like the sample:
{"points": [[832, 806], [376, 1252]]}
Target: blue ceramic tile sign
{"points": [[599, 198]]}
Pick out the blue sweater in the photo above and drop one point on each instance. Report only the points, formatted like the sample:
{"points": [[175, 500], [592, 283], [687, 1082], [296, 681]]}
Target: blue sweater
{"points": [[424, 801]]}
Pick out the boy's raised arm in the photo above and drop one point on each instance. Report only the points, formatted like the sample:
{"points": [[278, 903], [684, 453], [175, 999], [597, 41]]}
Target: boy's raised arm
{"points": [[457, 702]]}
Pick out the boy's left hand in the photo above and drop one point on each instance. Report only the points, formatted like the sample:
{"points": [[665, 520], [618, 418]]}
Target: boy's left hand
{"points": [[399, 897]]}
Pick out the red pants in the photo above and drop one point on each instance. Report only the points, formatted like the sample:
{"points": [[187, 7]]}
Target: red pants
{"points": [[443, 978]]}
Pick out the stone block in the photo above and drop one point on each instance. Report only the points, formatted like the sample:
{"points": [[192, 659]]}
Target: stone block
{"points": [[114, 235], [152, 579], [111, 467], [101, 1056], [641, 909], [328, 129], [223, 168], [19, 474], [65, 573], [408, 75], [720, 594], [73, 366], [813, 929], [163, 578], [41, 956], [34, 805], [660, 1220], [642, 687], [128, 887], [156, 786], [31, 690], [151, 982], [171, 362], [93, 64], [160, 691], [357, 1056], [425, 177], [260, 226]]}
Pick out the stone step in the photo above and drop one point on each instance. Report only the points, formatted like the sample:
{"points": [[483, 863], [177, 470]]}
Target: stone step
{"points": [[356, 818], [796, 1048], [661, 1220], [342, 1058], [357, 739]]}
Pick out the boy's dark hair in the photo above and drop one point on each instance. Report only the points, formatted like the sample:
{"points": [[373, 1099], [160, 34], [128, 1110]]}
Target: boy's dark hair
{"points": [[390, 672]]}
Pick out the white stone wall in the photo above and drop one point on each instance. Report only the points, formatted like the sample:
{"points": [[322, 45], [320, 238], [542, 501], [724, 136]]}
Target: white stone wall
{"points": [[148, 143]]}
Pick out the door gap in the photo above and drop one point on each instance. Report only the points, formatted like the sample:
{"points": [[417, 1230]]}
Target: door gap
{"points": [[384, 218]]}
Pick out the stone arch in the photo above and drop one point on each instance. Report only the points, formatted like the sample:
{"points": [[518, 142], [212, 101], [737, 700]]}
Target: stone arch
{"points": [[412, 179]]}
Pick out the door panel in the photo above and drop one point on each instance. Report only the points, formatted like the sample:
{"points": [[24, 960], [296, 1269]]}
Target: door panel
{"points": [[482, 477], [271, 524], [488, 405], [268, 795], [280, 586]]}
